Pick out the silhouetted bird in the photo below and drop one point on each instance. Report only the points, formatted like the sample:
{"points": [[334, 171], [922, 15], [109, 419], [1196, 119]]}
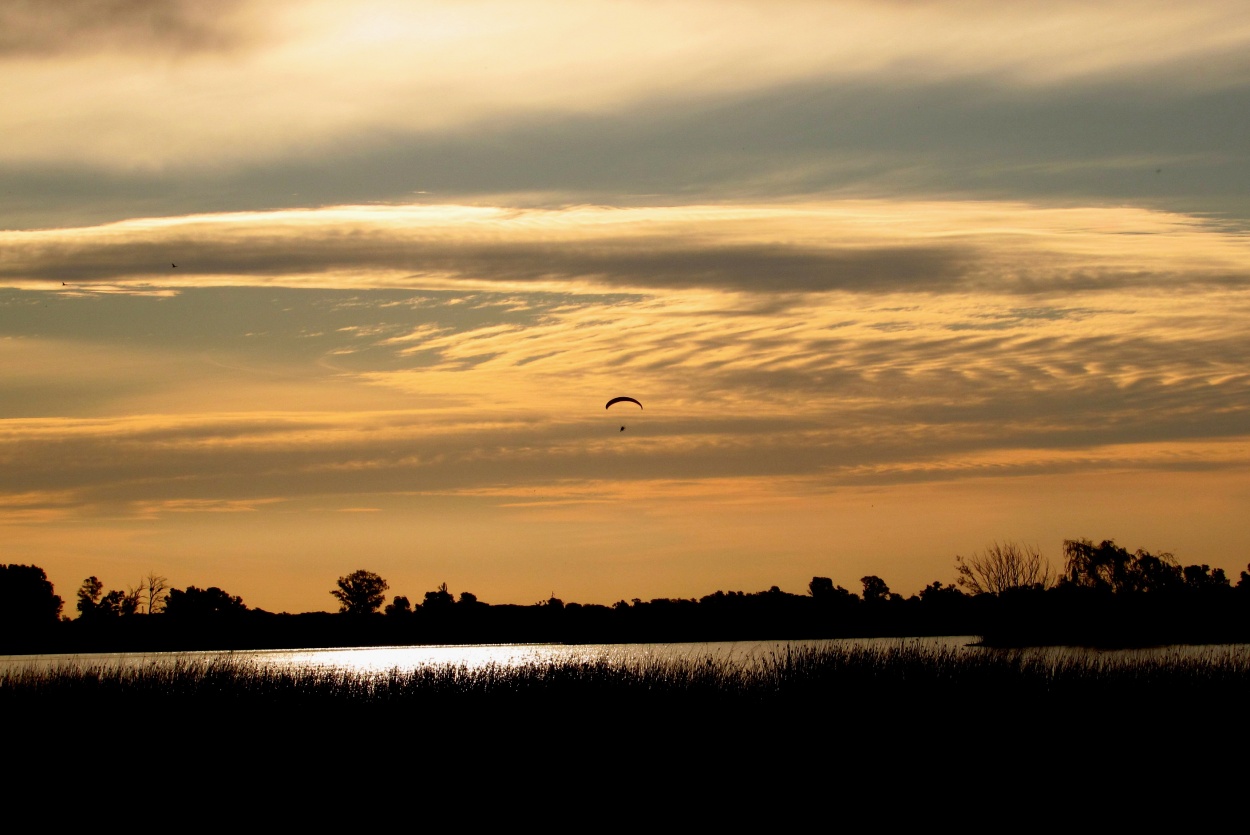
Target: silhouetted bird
{"points": [[173, 265], [622, 428]]}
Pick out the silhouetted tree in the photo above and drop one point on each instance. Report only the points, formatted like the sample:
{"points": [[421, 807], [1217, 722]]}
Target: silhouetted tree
{"points": [[1107, 567], [467, 598], [438, 599], [875, 589], [152, 593], [27, 600], [89, 595], [1204, 578], [936, 591], [1000, 568], [93, 604], [823, 590], [1154, 573], [360, 593], [196, 602], [120, 603], [399, 606]]}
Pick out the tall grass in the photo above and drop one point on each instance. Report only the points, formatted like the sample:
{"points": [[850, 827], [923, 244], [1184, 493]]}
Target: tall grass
{"points": [[802, 678]]}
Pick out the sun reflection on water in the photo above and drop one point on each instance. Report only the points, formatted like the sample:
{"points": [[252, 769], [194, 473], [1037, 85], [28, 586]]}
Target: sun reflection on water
{"points": [[378, 660], [372, 661]]}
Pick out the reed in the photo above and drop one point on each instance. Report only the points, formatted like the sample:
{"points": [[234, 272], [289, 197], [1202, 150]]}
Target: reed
{"points": [[805, 677]]}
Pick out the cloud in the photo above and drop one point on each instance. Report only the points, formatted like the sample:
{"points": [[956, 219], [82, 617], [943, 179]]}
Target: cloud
{"points": [[31, 28], [859, 246], [357, 354], [321, 82], [344, 394], [1134, 141]]}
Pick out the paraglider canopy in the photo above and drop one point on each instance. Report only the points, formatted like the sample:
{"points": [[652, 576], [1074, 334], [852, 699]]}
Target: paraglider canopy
{"points": [[624, 399]]}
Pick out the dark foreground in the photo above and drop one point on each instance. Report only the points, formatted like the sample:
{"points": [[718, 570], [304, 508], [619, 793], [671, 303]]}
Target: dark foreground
{"points": [[897, 735], [826, 696]]}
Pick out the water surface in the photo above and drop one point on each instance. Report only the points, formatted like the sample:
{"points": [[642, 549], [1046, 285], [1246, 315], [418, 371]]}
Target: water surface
{"points": [[404, 658], [743, 653]]}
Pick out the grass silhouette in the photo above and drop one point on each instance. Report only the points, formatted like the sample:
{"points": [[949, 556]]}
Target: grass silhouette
{"points": [[877, 677], [864, 716]]}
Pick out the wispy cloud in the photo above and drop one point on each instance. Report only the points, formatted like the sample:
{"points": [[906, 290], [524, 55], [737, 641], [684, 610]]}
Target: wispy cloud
{"points": [[162, 28], [854, 245], [325, 73], [463, 351], [310, 104]]}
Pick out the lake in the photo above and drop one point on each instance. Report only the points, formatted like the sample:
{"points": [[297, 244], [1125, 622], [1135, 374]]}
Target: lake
{"points": [[404, 658]]}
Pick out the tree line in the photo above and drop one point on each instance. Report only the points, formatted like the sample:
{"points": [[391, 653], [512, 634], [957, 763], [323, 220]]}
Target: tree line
{"points": [[1006, 594]]}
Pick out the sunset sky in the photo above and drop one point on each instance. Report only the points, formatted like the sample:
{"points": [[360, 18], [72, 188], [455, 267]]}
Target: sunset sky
{"points": [[893, 280]]}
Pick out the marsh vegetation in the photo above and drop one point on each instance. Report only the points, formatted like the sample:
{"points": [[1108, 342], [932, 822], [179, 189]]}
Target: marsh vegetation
{"points": [[883, 716], [813, 678]]}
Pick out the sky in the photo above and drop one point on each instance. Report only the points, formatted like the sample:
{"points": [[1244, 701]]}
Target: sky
{"points": [[292, 289]]}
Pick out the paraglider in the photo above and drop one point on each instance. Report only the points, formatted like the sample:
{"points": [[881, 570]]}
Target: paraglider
{"points": [[620, 400]]}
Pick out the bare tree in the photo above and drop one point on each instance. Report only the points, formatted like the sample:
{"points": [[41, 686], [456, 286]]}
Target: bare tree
{"points": [[129, 603], [151, 593], [1003, 567]]}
